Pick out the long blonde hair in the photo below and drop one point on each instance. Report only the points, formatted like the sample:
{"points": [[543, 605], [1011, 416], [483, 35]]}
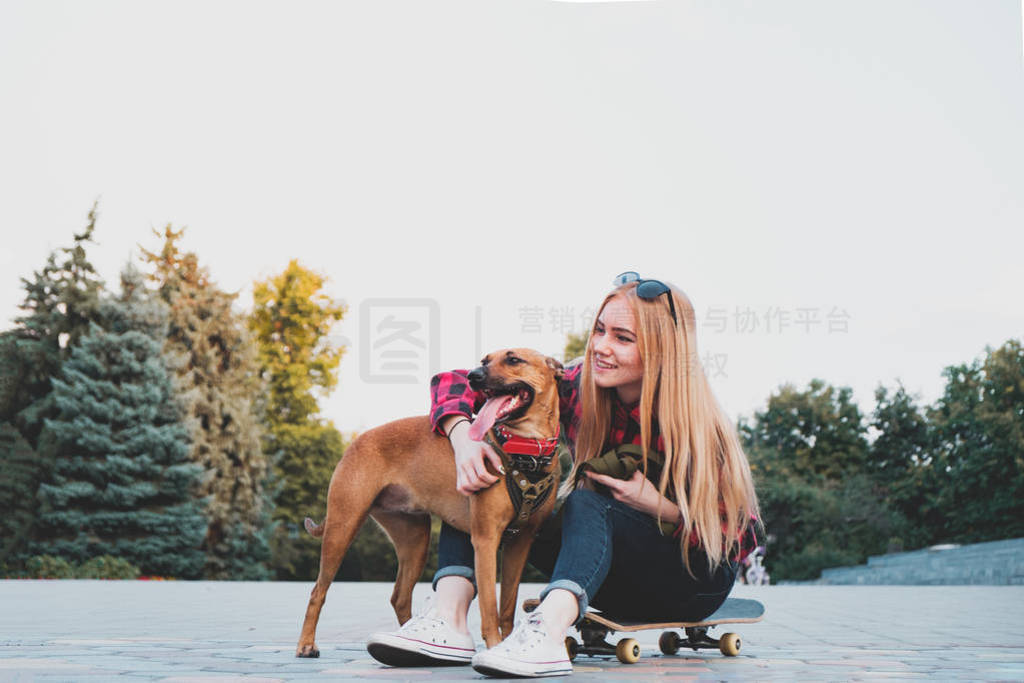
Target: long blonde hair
{"points": [[705, 467]]}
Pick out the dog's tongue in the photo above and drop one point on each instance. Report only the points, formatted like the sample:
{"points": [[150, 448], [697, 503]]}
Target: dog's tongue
{"points": [[485, 418]]}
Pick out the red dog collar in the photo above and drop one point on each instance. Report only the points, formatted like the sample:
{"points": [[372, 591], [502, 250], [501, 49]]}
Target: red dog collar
{"points": [[521, 445]]}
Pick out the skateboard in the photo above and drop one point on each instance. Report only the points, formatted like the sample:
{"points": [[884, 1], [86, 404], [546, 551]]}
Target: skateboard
{"points": [[595, 628]]}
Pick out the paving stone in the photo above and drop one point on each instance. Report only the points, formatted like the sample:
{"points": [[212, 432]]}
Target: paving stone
{"points": [[219, 679], [71, 630]]}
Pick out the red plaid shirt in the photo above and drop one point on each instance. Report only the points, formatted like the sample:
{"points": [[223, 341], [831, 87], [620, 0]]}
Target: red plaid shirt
{"points": [[451, 394]]}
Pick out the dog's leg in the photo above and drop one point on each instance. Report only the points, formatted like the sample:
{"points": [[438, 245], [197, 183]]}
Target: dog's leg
{"points": [[513, 559], [491, 512], [410, 534], [485, 548], [348, 501]]}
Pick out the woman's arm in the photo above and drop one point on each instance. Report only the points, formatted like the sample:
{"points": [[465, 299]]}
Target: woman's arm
{"points": [[451, 395], [452, 404]]}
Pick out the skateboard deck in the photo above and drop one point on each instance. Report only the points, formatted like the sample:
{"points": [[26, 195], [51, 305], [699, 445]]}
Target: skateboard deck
{"points": [[596, 626]]}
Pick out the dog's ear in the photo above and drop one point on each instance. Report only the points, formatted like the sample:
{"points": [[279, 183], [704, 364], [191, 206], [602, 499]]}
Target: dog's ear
{"points": [[556, 366]]}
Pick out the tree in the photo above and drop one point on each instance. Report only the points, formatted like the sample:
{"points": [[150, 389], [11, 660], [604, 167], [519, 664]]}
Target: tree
{"points": [[819, 431], [291, 321], [21, 477], [575, 345], [979, 424], [219, 384], [61, 300], [901, 460], [808, 454], [122, 482]]}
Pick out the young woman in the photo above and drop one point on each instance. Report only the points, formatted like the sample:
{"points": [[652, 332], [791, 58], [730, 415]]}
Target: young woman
{"points": [[657, 547]]}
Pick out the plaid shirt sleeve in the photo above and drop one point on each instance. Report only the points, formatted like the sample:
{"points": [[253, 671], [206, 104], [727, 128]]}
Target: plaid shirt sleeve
{"points": [[450, 394], [569, 407]]}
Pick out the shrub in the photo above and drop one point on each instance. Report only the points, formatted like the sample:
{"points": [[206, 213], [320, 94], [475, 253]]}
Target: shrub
{"points": [[107, 567], [48, 567]]}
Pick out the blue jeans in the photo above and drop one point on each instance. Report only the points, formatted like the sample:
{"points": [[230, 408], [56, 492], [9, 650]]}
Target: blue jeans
{"points": [[614, 557]]}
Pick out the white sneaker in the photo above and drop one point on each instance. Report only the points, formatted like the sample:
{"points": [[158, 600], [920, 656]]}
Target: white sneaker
{"points": [[528, 651], [424, 640]]}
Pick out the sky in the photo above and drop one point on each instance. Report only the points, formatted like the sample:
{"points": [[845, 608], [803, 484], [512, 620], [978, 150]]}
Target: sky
{"points": [[838, 187]]}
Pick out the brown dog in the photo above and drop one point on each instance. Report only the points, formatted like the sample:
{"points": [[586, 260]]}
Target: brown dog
{"points": [[402, 472]]}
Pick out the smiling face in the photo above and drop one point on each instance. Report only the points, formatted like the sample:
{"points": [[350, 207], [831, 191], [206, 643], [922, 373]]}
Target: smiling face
{"points": [[616, 357]]}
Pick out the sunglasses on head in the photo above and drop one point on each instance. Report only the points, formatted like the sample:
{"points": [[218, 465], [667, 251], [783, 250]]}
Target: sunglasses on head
{"points": [[648, 290]]}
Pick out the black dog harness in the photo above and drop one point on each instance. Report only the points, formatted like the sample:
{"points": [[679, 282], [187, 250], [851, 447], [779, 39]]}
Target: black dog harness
{"points": [[527, 478]]}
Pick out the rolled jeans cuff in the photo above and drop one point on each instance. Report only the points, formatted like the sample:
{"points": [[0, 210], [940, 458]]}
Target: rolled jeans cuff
{"points": [[575, 589], [455, 570]]}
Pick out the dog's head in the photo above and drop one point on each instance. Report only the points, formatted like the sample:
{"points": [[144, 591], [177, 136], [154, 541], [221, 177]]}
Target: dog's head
{"points": [[521, 386]]}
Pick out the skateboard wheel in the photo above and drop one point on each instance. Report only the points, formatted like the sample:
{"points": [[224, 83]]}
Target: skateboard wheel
{"points": [[668, 643], [729, 644], [572, 648], [627, 651]]}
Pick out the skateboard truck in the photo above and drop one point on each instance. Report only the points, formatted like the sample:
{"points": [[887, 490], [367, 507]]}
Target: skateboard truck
{"points": [[697, 638]]}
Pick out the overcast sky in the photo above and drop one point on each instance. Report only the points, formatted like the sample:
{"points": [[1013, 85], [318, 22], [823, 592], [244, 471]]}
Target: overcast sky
{"points": [[838, 186]]}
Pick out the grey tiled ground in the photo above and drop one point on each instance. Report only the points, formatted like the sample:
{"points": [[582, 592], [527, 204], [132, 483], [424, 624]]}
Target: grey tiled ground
{"points": [[178, 631]]}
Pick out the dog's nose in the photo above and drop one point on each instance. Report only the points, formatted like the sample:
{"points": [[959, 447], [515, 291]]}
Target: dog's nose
{"points": [[476, 377]]}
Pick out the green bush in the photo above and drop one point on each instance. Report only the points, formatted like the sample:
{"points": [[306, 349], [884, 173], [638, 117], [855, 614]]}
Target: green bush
{"points": [[48, 567], [107, 567]]}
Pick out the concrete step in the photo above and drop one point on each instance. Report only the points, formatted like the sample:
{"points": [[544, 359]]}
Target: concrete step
{"points": [[992, 563]]}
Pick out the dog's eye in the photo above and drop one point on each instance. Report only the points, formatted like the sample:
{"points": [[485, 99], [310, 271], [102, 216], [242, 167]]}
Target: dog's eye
{"points": [[514, 361]]}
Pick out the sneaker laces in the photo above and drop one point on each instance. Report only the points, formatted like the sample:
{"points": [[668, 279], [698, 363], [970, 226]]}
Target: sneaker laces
{"points": [[527, 635], [427, 620]]}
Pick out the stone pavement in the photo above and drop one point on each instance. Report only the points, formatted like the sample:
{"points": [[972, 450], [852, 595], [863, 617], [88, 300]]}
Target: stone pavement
{"points": [[206, 631]]}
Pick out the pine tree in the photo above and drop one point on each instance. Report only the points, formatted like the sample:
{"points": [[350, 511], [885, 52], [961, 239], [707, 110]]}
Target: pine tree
{"points": [[60, 301], [220, 385], [20, 478], [291, 320], [122, 481]]}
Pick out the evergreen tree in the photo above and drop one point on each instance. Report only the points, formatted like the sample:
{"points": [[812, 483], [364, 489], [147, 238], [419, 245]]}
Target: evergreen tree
{"points": [[291, 320], [20, 478], [220, 385], [60, 301], [122, 482]]}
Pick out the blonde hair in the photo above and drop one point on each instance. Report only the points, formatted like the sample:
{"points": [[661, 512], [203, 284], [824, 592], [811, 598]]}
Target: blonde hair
{"points": [[705, 467]]}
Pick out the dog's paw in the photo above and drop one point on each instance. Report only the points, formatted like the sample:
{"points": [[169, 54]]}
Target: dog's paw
{"points": [[308, 651]]}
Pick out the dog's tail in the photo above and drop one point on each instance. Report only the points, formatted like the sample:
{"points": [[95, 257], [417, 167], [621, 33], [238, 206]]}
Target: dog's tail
{"points": [[313, 528]]}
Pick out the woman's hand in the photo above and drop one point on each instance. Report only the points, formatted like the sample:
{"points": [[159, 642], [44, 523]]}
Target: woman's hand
{"points": [[470, 458], [638, 493]]}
